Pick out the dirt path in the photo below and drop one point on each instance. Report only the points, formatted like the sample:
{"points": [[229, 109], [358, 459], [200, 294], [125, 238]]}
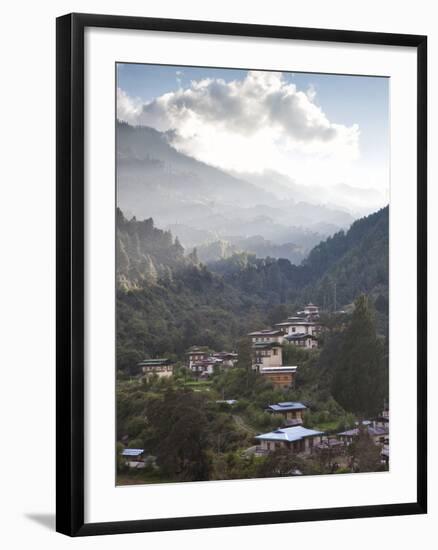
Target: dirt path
{"points": [[241, 424]]}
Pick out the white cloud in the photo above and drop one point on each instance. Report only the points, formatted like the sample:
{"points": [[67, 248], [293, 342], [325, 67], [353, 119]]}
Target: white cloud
{"points": [[257, 123], [128, 109]]}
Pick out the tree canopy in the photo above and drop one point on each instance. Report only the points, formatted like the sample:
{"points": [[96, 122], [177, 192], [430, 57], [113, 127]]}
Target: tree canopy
{"points": [[360, 377]]}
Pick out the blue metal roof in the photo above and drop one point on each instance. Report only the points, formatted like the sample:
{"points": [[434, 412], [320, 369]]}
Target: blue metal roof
{"points": [[132, 452], [289, 434], [287, 406]]}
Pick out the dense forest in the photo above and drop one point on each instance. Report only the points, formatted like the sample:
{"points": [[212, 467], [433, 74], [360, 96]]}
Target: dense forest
{"points": [[168, 300]]}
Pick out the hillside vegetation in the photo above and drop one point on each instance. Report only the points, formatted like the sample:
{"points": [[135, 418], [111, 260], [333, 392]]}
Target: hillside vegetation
{"points": [[167, 300]]}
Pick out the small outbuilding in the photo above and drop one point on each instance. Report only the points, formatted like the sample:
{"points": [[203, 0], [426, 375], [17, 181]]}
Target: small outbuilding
{"points": [[291, 411]]}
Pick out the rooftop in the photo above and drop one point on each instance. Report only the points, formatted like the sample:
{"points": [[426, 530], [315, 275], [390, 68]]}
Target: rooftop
{"points": [[295, 322], [294, 433], [267, 332], [372, 430], [287, 406], [132, 452], [197, 351], [154, 362], [298, 336], [266, 345], [266, 370]]}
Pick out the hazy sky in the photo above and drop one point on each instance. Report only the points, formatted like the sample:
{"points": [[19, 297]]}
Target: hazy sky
{"points": [[316, 129]]}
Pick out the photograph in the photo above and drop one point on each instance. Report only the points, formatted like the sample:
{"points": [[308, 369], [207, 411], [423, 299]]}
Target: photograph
{"points": [[252, 274]]}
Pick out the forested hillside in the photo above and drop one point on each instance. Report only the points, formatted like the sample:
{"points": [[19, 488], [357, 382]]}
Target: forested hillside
{"points": [[168, 301], [144, 253], [355, 260]]}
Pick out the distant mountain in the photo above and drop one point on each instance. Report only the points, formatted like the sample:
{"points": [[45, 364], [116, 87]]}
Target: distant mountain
{"points": [[179, 192], [167, 299], [343, 266], [354, 200], [257, 245], [340, 268]]}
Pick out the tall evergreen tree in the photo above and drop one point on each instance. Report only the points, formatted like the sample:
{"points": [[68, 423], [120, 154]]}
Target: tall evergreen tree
{"points": [[181, 436], [359, 381]]}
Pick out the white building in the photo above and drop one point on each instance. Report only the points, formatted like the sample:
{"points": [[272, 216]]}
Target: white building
{"points": [[196, 355], [303, 340], [295, 325], [296, 439], [266, 354], [267, 336], [163, 368], [311, 310]]}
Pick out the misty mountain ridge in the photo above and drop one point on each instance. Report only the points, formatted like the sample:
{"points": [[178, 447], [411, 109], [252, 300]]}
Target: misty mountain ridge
{"points": [[354, 200], [179, 192], [349, 263]]}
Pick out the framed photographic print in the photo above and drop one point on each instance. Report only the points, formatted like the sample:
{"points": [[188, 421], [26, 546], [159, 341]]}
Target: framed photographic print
{"points": [[241, 274]]}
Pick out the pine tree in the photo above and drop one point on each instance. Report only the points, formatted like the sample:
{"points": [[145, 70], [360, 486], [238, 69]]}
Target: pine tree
{"points": [[179, 249], [359, 381]]}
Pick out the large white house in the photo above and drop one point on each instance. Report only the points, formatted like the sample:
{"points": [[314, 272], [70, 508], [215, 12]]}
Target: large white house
{"points": [[267, 336], [296, 439], [267, 357], [298, 325]]}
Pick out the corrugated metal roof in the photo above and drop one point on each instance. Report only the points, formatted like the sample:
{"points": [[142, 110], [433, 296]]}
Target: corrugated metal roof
{"points": [[372, 430], [287, 406], [154, 362], [289, 434], [132, 452], [268, 332], [283, 369]]}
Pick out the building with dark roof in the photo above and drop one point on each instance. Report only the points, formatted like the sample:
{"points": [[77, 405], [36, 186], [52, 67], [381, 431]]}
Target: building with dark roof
{"points": [[302, 339], [281, 376], [161, 367], [291, 411]]}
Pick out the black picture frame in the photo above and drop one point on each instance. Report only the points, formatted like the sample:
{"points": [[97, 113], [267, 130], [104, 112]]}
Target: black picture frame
{"points": [[70, 272]]}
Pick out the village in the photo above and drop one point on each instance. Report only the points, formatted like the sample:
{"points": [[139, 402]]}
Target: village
{"points": [[292, 433]]}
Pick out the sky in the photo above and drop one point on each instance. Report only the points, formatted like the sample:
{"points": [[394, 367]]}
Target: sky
{"points": [[317, 129]]}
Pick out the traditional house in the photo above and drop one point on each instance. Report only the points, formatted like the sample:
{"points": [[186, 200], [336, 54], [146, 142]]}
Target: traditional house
{"points": [[227, 359], [296, 439], [298, 325], [205, 367], [310, 311], [134, 458], [380, 435], [196, 354], [267, 336], [291, 411], [163, 368], [202, 361], [303, 340], [280, 376], [267, 358], [266, 355]]}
